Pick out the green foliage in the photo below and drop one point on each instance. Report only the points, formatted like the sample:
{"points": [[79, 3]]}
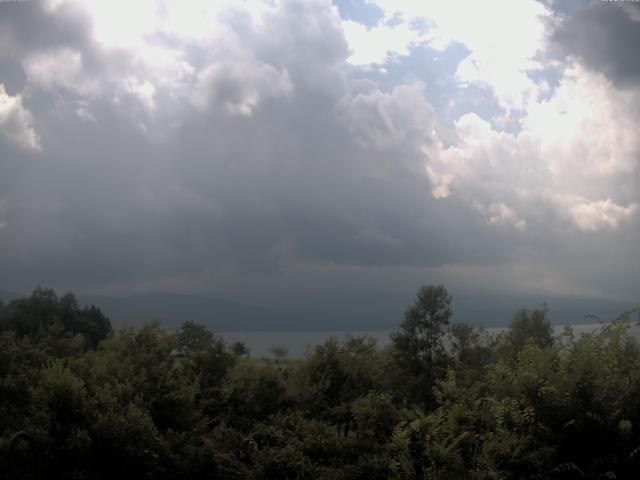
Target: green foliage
{"points": [[280, 352], [46, 316], [79, 401], [239, 349], [418, 347], [192, 337], [530, 326], [252, 392]]}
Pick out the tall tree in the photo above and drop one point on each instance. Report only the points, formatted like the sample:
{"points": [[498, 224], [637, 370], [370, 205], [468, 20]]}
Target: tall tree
{"points": [[419, 349]]}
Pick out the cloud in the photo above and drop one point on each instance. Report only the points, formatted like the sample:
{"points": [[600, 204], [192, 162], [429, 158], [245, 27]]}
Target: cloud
{"points": [[591, 216], [220, 147], [3, 212], [401, 119], [575, 158], [239, 87], [503, 39], [60, 68], [283, 158], [601, 35], [501, 214], [38, 26], [16, 122]]}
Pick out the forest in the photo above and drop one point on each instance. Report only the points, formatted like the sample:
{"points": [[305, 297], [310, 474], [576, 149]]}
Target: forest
{"points": [[80, 400]]}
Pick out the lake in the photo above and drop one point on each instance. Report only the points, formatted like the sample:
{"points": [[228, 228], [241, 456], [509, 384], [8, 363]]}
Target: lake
{"points": [[260, 343]]}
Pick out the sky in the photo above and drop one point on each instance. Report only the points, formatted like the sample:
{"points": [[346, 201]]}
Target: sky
{"points": [[282, 151]]}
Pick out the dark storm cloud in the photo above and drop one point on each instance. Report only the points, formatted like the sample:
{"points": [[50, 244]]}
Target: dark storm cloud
{"points": [[605, 36], [105, 203], [30, 26]]}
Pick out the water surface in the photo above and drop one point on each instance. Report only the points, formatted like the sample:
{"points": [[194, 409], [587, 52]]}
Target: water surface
{"points": [[297, 343]]}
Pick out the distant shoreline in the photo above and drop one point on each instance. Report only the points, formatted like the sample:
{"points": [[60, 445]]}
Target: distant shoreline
{"points": [[260, 342]]}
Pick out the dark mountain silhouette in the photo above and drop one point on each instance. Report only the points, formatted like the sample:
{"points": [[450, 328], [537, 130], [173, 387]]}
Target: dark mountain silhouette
{"points": [[345, 312]]}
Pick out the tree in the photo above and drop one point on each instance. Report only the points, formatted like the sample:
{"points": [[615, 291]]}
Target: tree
{"points": [[469, 348], [252, 392], [45, 316], [193, 337], [240, 349], [419, 349], [280, 352], [531, 326], [205, 362]]}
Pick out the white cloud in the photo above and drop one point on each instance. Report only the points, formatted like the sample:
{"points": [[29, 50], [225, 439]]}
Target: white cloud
{"points": [[574, 159], [126, 25], [587, 126], [593, 216], [143, 51], [139, 73], [143, 91], [501, 214], [16, 122]]}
